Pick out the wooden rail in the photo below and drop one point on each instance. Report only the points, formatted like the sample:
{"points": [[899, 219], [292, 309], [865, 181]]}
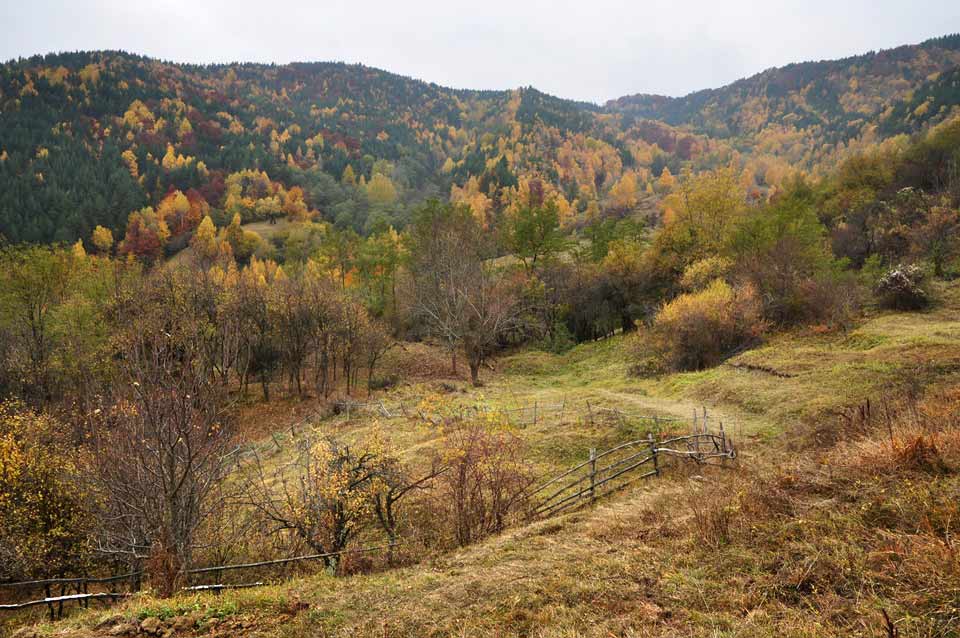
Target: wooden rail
{"points": [[292, 559]]}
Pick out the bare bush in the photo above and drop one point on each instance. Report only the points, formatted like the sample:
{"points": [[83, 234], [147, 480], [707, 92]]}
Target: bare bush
{"points": [[486, 480], [332, 493], [713, 517]]}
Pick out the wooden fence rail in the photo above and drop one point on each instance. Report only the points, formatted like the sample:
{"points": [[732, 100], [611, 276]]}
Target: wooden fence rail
{"points": [[54, 602]]}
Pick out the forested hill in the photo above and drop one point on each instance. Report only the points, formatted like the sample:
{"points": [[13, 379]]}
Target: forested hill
{"points": [[91, 138]]}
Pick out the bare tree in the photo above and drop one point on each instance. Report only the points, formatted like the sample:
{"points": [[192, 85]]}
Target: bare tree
{"points": [[159, 448], [464, 297]]}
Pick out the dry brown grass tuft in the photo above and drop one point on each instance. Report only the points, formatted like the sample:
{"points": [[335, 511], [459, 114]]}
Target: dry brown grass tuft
{"points": [[714, 513], [915, 435]]}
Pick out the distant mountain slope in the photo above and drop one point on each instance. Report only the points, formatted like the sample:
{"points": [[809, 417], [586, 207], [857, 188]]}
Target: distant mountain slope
{"points": [[87, 138], [932, 101], [838, 97]]}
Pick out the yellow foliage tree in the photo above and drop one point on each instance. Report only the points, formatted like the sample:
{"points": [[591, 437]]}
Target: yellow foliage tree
{"points": [[624, 194], [77, 251], [707, 204], [138, 116], [380, 190], [102, 239], [666, 181], [470, 194], [41, 500], [130, 159]]}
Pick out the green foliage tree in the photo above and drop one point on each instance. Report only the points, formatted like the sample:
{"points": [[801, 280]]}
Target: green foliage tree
{"points": [[533, 233]]}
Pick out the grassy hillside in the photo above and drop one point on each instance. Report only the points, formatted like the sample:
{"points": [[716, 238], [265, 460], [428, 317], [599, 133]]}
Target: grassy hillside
{"points": [[827, 525]]}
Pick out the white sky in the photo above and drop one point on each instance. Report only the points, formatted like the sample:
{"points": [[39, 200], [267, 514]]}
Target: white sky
{"points": [[589, 49]]}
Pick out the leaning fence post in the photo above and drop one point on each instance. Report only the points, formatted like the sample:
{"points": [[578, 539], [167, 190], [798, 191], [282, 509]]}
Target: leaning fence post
{"points": [[593, 472]]}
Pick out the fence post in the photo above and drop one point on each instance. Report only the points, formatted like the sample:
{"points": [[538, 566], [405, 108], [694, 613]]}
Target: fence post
{"points": [[47, 594], [590, 414], [653, 453], [593, 473]]}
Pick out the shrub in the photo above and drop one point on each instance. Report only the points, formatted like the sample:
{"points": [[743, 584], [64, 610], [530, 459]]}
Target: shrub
{"points": [[558, 340], [384, 382], [901, 288], [701, 274], [831, 301], [699, 330], [714, 514]]}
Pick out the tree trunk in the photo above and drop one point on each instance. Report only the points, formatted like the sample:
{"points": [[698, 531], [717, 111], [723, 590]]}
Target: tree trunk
{"points": [[474, 356]]}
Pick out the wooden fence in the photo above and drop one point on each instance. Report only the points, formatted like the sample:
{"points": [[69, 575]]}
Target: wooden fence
{"points": [[81, 584], [606, 472]]}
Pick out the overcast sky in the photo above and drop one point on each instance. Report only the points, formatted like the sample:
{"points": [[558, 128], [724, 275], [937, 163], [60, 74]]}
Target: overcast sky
{"points": [[589, 49]]}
